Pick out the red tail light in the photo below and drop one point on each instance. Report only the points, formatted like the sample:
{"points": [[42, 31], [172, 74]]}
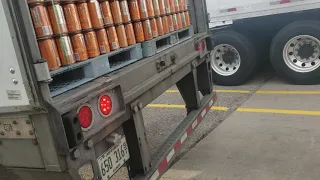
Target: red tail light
{"points": [[85, 117], [201, 46], [105, 105]]}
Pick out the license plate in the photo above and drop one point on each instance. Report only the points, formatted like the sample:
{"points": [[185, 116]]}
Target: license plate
{"points": [[113, 159]]}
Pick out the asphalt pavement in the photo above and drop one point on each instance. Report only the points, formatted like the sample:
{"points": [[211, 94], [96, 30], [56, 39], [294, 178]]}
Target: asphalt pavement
{"points": [[273, 135], [165, 113]]}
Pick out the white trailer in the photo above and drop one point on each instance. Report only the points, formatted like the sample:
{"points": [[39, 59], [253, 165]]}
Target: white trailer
{"points": [[249, 32]]}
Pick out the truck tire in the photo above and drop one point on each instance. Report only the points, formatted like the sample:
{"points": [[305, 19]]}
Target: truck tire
{"points": [[233, 58], [295, 53]]}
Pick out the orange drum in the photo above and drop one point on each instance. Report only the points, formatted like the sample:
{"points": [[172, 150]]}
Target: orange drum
{"points": [[171, 4], [103, 41], [125, 11], [36, 1], [65, 50], [122, 37], [58, 21], [170, 23], [185, 5], [84, 15], [79, 47], [143, 9], [186, 14], [162, 7], [154, 27], [176, 5], [156, 7], [159, 26], [92, 44], [116, 12], [150, 8], [167, 4], [41, 21], [138, 31], [181, 5], [95, 14], [179, 21], [130, 34], [134, 9], [48, 50], [147, 31], [183, 19], [113, 38], [106, 13], [72, 17], [175, 22], [165, 24]]}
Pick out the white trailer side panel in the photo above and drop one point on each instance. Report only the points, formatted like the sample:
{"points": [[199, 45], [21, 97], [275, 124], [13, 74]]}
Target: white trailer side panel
{"points": [[225, 11], [12, 89]]}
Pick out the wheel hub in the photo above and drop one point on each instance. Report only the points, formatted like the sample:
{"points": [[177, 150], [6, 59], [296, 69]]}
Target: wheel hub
{"points": [[302, 53], [225, 60], [229, 57], [306, 51]]}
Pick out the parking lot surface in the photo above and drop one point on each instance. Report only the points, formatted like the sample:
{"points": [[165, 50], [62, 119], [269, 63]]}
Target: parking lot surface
{"points": [[274, 134], [164, 114]]}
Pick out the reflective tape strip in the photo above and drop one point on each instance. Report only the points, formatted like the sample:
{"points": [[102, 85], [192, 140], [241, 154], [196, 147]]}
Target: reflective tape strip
{"points": [[155, 176], [166, 161], [228, 10], [284, 2]]}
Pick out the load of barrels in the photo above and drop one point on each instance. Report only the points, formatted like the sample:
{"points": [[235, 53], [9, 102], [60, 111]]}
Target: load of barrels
{"points": [[69, 31]]}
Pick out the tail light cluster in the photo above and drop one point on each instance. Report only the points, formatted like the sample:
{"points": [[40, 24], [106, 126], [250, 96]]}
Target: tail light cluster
{"points": [[86, 115], [90, 117]]}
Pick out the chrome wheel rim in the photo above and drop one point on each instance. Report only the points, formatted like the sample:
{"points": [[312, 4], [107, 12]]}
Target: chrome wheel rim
{"points": [[302, 53], [225, 60]]}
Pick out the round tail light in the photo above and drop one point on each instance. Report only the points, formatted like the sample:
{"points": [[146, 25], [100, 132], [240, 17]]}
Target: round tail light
{"points": [[85, 117], [105, 105]]}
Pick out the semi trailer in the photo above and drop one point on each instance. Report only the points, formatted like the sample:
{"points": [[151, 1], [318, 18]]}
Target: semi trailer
{"points": [[88, 114], [249, 33]]}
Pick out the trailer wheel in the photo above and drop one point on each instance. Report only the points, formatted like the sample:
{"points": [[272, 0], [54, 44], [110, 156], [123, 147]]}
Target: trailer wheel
{"points": [[295, 53], [233, 58]]}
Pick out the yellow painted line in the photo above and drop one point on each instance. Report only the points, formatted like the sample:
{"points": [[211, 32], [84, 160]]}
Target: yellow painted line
{"points": [[261, 92], [220, 108], [289, 92], [279, 111], [172, 91], [233, 91], [249, 110], [216, 108], [219, 91]]}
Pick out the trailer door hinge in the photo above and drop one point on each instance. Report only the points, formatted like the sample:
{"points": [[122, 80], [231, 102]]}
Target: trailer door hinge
{"points": [[42, 71]]}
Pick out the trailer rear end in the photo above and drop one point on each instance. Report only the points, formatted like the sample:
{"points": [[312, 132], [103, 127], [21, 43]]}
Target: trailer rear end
{"points": [[54, 123]]}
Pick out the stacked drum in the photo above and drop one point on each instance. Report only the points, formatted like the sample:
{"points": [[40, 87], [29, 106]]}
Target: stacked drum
{"points": [[70, 31]]}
